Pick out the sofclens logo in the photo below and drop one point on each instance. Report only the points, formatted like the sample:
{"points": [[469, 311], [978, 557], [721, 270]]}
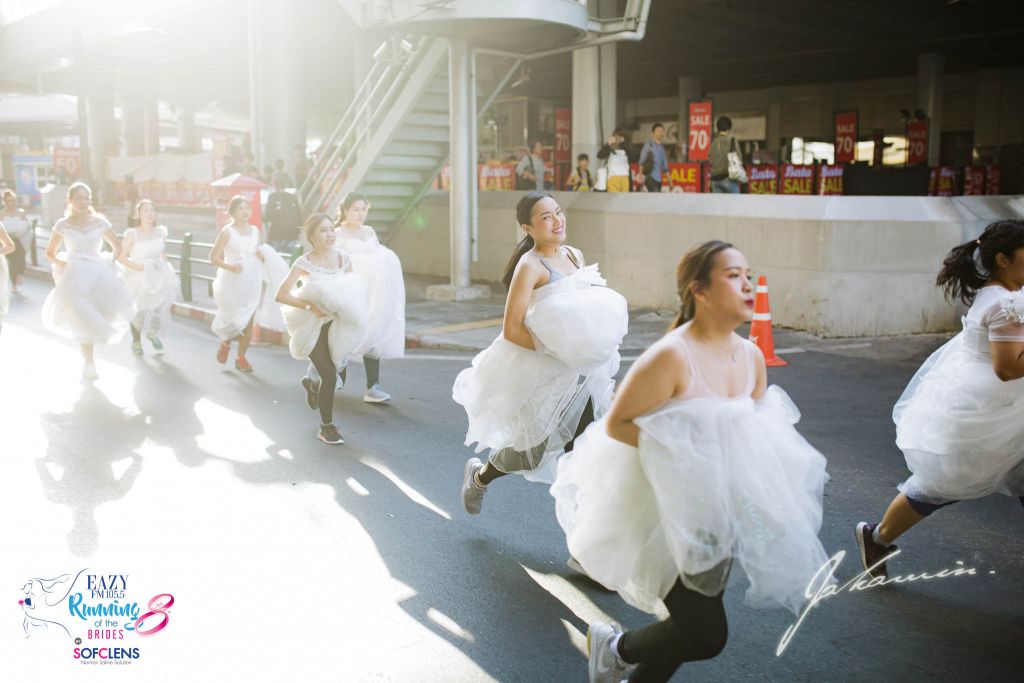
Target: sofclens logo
{"points": [[97, 611]]}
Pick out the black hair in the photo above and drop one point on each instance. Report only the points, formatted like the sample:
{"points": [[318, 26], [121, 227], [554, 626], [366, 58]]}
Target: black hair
{"points": [[960, 277], [581, 157], [656, 126], [524, 213], [346, 204], [723, 124]]}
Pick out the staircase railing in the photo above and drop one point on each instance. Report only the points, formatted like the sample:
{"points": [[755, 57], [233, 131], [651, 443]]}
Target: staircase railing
{"points": [[393, 64]]}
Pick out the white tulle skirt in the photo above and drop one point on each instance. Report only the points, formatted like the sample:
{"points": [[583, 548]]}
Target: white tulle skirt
{"points": [[274, 270], [90, 302], [960, 428], [153, 291], [713, 480], [241, 297], [385, 328], [5, 288], [532, 401], [343, 298]]}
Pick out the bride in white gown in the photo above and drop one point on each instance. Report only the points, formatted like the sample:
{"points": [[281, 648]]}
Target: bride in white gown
{"points": [[90, 302], [152, 281]]}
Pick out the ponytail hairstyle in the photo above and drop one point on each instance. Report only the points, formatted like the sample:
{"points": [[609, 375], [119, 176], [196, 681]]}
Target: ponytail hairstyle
{"points": [[346, 204], [695, 267], [961, 277], [524, 214]]}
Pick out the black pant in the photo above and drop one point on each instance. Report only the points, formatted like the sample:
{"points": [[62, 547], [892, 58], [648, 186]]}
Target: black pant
{"points": [[652, 184], [695, 630], [321, 359], [16, 260]]}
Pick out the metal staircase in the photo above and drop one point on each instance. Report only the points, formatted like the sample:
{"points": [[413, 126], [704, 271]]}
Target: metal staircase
{"points": [[392, 141]]}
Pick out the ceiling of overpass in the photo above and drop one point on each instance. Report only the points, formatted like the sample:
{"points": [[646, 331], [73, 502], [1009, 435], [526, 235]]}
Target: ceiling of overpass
{"points": [[739, 44]]}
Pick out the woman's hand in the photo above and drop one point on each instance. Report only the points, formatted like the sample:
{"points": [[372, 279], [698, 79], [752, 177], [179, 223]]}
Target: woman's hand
{"points": [[315, 310], [237, 268]]}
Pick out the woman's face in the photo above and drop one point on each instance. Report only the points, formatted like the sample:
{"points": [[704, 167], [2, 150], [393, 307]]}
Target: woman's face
{"points": [[356, 214], [147, 214], [323, 236], [242, 212], [729, 293], [80, 201], [10, 202], [1013, 270], [547, 222]]}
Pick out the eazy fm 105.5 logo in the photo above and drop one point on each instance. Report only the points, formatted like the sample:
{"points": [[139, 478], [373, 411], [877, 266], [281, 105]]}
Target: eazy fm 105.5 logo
{"points": [[95, 609]]}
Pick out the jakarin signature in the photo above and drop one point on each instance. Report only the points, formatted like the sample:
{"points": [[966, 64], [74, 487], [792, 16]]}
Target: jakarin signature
{"points": [[826, 587]]}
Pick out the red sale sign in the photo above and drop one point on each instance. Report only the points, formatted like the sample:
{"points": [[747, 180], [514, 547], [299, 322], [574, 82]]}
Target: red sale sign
{"points": [[763, 179], [917, 142], [684, 177], [845, 136], [942, 181], [563, 136], [974, 180], [830, 179], [797, 179], [700, 131], [993, 177]]}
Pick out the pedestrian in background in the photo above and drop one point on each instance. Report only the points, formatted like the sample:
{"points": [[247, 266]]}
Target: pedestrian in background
{"points": [[614, 175], [723, 144], [653, 162], [530, 170], [959, 422], [18, 228], [580, 180], [282, 216]]}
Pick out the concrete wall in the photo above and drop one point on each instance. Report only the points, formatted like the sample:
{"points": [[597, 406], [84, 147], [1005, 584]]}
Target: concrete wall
{"points": [[836, 266]]}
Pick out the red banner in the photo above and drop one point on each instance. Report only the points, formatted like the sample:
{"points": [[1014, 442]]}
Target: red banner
{"points": [[684, 177], [917, 142], [993, 177], [763, 179], [700, 131], [68, 159], [942, 181], [974, 180], [563, 135], [797, 179], [845, 136], [830, 179], [494, 176]]}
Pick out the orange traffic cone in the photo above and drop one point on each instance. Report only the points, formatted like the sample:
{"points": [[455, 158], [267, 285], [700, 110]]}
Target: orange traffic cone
{"points": [[761, 327]]}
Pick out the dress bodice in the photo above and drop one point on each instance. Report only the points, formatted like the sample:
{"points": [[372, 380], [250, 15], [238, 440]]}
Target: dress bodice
{"points": [[15, 225], [364, 241], [151, 248], [241, 247], [990, 319], [314, 271], [698, 386], [85, 241]]}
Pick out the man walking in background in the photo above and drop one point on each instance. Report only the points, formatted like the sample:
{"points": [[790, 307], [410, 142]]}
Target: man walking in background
{"points": [[653, 162]]}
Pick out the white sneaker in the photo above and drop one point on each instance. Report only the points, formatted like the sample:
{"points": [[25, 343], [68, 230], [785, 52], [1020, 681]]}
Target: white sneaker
{"points": [[575, 566], [89, 371], [376, 395], [472, 492], [603, 665]]}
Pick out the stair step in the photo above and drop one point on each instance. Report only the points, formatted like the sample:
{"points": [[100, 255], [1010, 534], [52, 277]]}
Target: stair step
{"points": [[381, 204], [385, 215], [433, 102], [403, 162], [411, 132], [418, 148], [390, 176], [388, 190], [422, 118]]}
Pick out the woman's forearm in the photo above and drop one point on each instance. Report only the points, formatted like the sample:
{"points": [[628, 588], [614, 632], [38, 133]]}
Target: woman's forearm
{"points": [[518, 334], [626, 432]]}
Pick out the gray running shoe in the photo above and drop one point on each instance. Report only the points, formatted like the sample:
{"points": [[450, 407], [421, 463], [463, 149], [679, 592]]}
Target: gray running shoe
{"points": [[604, 666], [472, 492]]}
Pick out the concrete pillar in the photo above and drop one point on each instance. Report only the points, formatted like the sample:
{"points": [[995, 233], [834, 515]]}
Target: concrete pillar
{"points": [[462, 196], [102, 134], [594, 93], [930, 69], [988, 108], [133, 125], [773, 130], [151, 123], [276, 100], [188, 142], [690, 88]]}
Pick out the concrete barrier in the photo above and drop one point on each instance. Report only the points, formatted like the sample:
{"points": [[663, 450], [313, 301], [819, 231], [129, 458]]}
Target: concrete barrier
{"points": [[836, 266]]}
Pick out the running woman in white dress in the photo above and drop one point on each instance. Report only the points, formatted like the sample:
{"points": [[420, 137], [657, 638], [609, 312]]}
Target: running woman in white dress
{"points": [[249, 273], [325, 310], [549, 372], [150, 278], [382, 271], [19, 229], [6, 247], [89, 302], [696, 464], [960, 421]]}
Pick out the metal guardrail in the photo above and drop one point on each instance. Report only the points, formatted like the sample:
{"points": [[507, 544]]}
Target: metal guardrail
{"points": [[185, 257]]}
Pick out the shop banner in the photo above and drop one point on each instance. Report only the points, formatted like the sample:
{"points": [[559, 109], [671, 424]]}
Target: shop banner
{"points": [[797, 179], [707, 177], [830, 179], [684, 177], [563, 136], [845, 136], [942, 181], [993, 178], [496, 177], [763, 179], [917, 142], [974, 180], [69, 160], [700, 131]]}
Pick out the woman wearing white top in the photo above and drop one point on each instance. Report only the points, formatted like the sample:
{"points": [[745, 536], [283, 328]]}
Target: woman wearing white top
{"points": [[6, 247], [149, 276], [90, 302], [382, 271], [18, 228]]}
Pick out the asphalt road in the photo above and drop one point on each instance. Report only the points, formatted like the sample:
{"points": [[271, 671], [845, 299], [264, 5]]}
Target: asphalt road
{"points": [[292, 560]]}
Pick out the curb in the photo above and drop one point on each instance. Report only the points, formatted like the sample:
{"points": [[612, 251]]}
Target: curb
{"points": [[261, 335]]}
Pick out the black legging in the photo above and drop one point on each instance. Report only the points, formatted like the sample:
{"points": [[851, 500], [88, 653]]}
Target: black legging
{"points": [[16, 261], [320, 357], [696, 629]]}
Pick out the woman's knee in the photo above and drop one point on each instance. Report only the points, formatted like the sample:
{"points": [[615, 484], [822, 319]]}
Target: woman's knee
{"points": [[709, 642]]}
